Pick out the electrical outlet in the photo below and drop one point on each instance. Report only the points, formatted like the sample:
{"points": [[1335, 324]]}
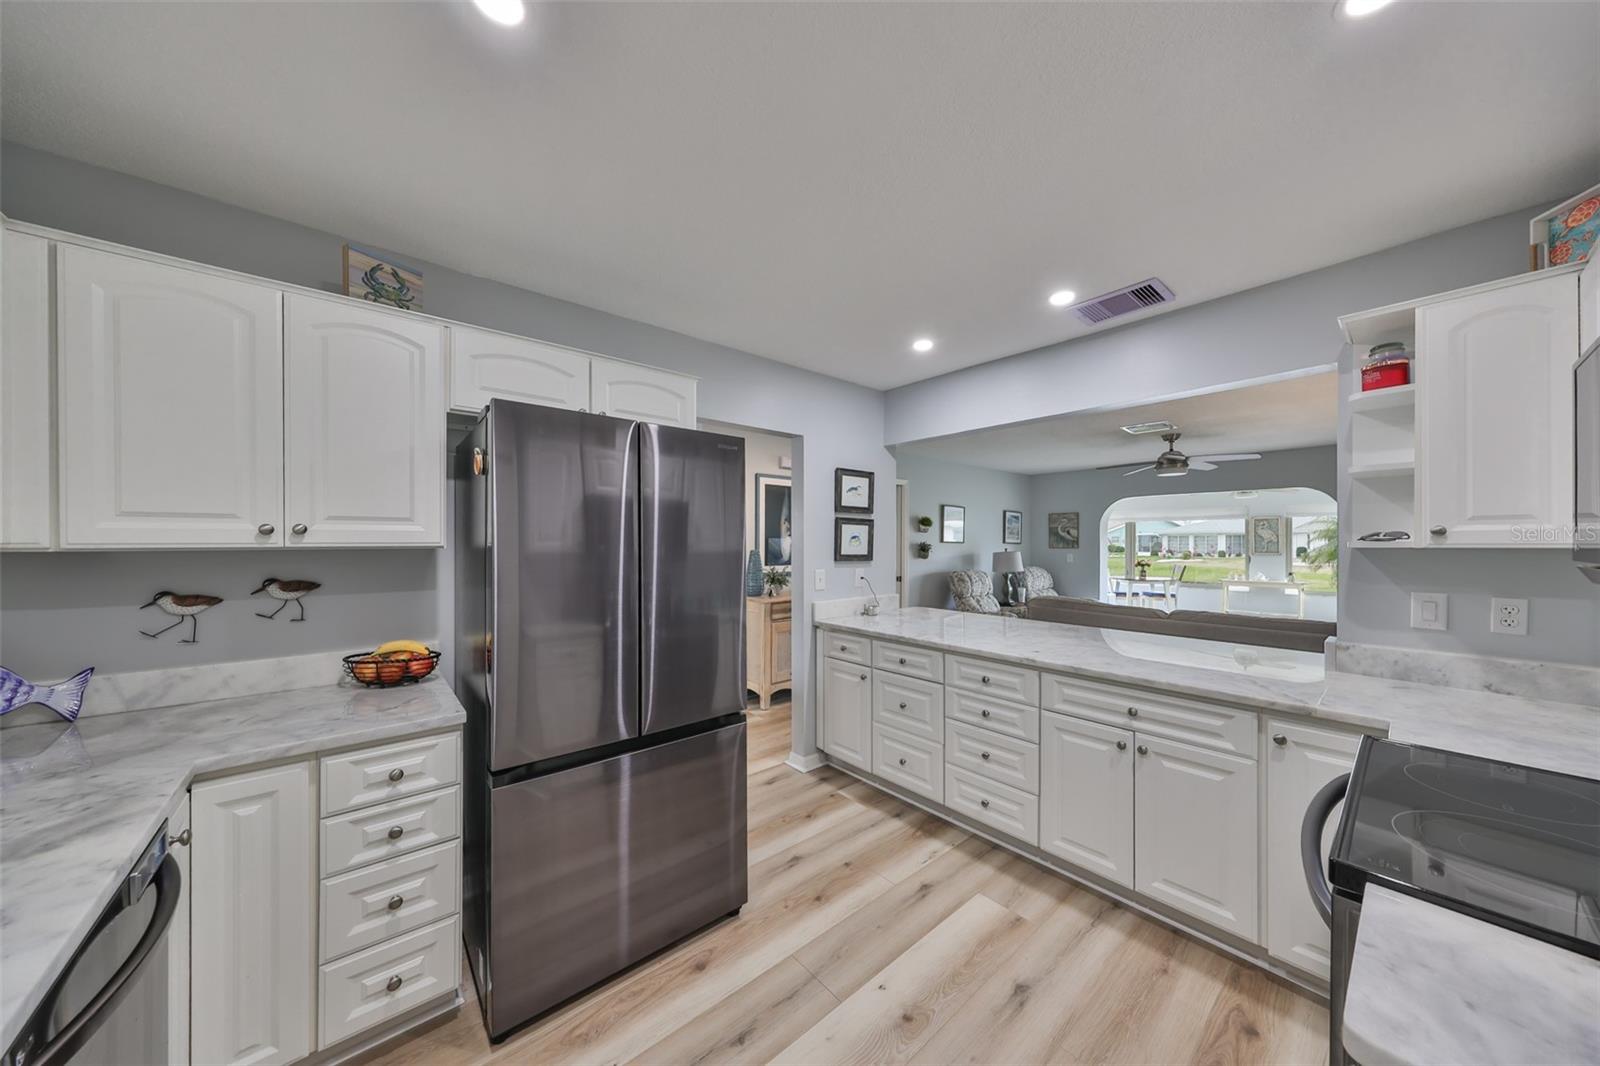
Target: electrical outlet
{"points": [[1430, 610], [820, 582], [1509, 618], [861, 577]]}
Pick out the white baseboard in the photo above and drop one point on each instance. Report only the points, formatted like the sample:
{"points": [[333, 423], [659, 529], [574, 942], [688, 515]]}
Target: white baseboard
{"points": [[805, 763]]}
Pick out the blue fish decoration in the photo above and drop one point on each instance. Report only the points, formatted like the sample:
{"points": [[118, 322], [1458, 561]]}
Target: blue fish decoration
{"points": [[65, 698]]}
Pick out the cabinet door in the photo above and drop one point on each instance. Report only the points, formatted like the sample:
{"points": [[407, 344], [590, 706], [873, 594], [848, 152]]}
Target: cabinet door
{"points": [[178, 941], [1299, 765], [847, 703], [171, 405], [623, 390], [1195, 833], [782, 650], [26, 423], [1495, 417], [253, 951], [485, 366], [365, 425], [1086, 795]]}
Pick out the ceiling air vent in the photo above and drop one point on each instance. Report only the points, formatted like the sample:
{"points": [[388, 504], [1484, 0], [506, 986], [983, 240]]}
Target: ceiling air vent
{"points": [[1147, 293]]}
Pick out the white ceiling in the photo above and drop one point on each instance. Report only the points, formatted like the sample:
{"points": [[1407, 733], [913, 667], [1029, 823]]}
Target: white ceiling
{"points": [[818, 183], [1295, 412]]}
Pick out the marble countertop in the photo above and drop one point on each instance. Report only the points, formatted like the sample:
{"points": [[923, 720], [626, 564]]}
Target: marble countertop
{"points": [[1429, 984], [1556, 736], [78, 803]]}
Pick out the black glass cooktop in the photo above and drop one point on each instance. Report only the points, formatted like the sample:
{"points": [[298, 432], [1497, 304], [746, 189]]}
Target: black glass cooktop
{"points": [[1511, 844]]}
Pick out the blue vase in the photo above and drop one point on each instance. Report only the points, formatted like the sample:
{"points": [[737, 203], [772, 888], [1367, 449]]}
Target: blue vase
{"points": [[754, 580]]}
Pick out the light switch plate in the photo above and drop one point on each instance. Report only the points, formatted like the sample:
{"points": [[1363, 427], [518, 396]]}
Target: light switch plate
{"points": [[820, 582], [1509, 618], [1430, 610]]}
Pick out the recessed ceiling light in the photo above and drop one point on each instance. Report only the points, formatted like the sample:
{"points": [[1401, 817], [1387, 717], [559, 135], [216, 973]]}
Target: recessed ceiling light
{"points": [[1355, 9], [922, 344], [505, 12], [1062, 297]]}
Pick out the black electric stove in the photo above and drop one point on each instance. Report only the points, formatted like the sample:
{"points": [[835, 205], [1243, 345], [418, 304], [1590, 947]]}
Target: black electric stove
{"points": [[1512, 845]]}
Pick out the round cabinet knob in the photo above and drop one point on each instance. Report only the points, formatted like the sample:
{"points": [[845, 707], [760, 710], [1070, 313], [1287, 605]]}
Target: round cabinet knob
{"points": [[863, 677], [902, 762], [984, 713], [396, 832], [902, 705], [1133, 712], [266, 529], [394, 983], [298, 529], [983, 755], [181, 840], [985, 679], [983, 803], [396, 902], [844, 647], [1122, 745], [1142, 750], [396, 774], [1438, 531], [1279, 739], [902, 660]]}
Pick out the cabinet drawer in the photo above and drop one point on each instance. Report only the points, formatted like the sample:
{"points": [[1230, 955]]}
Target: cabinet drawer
{"points": [[372, 986], [374, 775], [909, 705], [396, 828], [1010, 810], [847, 646], [375, 903], [1016, 683], [909, 660], [1012, 719], [910, 762], [1158, 714], [782, 610], [999, 758]]}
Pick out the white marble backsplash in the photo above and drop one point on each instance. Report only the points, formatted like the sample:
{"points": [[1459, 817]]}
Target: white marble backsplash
{"points": [[1558, 682], [142, 690]]}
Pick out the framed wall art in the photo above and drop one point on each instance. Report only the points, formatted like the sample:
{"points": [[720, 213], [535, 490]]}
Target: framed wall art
{"points": [[1011, 527], [852, 490], [381, 281], [774, 525], [952, 523], [1266, 536], [1064, 529], [852, 540]]}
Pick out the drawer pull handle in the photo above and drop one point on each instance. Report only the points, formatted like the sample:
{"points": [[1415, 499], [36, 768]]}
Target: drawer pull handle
{"points": [[1133, 712], [902, 705], [983, 755], [985, 679], [1143, 749], [396, 774], [394, 983], [902, 762], [902, 660], [983, 803], [1122, 745], [396, 831], [1279, 739], [266, 529], [984, 713], [396, 902]]}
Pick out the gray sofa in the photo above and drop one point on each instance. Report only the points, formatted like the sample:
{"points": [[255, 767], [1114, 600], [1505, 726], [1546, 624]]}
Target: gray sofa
{"points": [[1294, 634]]}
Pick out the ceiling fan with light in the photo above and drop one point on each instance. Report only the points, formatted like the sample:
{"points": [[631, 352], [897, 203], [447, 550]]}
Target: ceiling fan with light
{"points": [[1173, 463]]}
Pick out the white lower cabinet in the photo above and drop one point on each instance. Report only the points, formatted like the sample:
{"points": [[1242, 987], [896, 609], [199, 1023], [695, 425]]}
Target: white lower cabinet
{"points": [[365, 906], [1010, 810], [847, 712], [383, 982], [914, 763], [253, 917], [179, 831], [1195, 833], [1300, 760], [1086, 795]]}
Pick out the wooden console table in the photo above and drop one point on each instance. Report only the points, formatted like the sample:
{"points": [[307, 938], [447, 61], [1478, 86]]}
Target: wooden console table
{"points": [[768, 623]]}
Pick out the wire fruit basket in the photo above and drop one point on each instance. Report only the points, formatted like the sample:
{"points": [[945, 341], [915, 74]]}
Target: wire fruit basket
{"points": [[387, 671]]}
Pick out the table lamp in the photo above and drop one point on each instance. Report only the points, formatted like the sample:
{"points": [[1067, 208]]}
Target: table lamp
{"points": [[1009, 566]]}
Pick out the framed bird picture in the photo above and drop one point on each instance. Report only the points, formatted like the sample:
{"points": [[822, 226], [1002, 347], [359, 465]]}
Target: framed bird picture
{"points": [[852, 490], [852, 540]]}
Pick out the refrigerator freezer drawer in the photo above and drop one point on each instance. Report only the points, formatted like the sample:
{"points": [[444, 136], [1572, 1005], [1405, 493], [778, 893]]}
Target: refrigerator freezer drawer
{"points": [[598, 866]]}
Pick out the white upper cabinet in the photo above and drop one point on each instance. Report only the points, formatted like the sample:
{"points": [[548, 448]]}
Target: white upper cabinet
{"points": [[1495, 416], [26, 420], [171, 405], [623, 390], [486, 366], [364, 426]]}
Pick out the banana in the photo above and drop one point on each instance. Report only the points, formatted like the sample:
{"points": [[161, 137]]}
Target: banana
{"points": [[402, 645]]}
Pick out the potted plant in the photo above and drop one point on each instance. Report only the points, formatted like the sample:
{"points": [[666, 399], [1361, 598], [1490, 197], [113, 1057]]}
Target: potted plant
{"points": [[922, 548], [1143, 566], [777, 580], [924, 523]]}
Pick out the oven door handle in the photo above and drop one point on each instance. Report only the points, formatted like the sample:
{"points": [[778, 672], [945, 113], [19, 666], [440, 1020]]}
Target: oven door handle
{"points": [[168, 883], [1317, 814]]}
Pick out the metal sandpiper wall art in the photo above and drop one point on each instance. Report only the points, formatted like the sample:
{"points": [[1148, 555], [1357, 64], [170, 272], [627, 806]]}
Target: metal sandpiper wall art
{"points": [[286, 592], [181, 605]]}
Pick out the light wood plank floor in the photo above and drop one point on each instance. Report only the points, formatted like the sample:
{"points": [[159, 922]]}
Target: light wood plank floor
{"points": [[876, 933]]}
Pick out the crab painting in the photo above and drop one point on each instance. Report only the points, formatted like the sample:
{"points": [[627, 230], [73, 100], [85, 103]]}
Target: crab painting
{"points": [[380, 291]]}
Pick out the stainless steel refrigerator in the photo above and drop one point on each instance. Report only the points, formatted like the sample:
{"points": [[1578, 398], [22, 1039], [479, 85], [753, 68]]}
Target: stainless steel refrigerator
{"points": [[600, 658]]}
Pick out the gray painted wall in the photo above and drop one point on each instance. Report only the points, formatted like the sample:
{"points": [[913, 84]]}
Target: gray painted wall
{"points": [[1280, 328], [840, 424], [1092, 492], [984, 493]]}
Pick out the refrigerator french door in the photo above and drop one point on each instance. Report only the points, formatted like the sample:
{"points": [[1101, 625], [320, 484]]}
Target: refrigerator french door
{"points": [[600, 659]]}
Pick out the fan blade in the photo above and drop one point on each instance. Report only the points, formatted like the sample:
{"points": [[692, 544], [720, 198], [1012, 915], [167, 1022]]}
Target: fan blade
{"points": [[1196, 464], [1141, 470], [1118, 466], [1230, 457]]}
